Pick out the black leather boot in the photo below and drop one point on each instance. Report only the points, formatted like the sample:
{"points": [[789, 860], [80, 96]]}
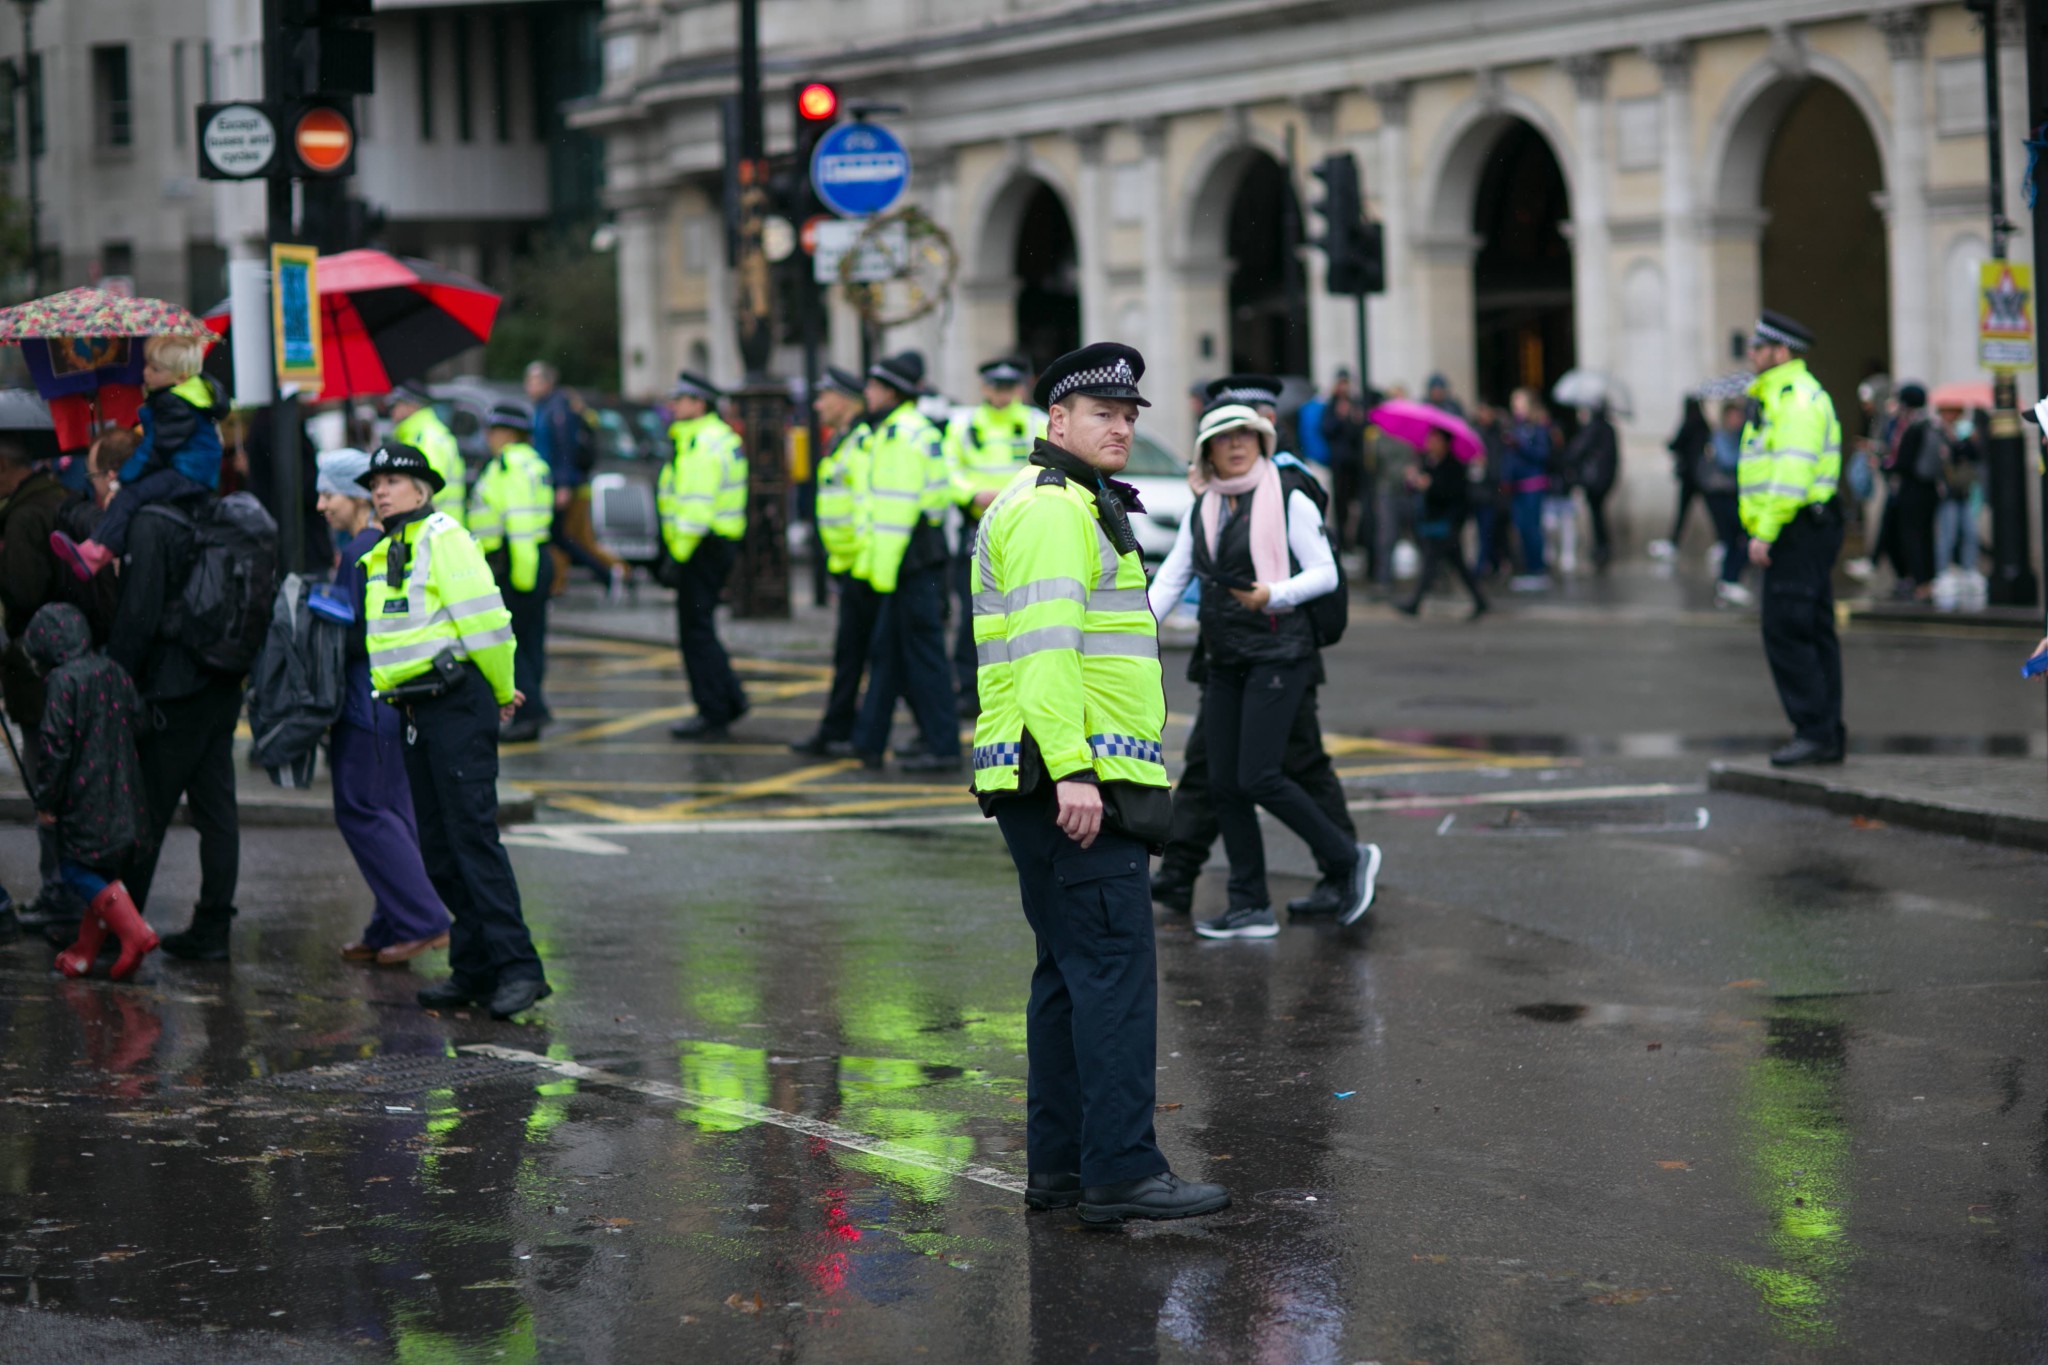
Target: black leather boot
{"points": [[205, 939]]}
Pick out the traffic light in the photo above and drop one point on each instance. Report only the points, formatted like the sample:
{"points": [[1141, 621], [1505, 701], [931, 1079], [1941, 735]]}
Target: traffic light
{"points": [[814, 108], [1354, 248], [330, 55]]}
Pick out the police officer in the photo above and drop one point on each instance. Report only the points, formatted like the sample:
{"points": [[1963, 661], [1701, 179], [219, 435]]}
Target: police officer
{"points": [[1067, 759], [905, 563], [1790, 468], [984, 450], [441, 648], [842, 532], [702, 500], [512, 508], [419, 426], [1305, 761]]}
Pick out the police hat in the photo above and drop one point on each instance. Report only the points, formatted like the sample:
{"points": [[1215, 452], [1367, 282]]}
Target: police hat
{"points": [[1777, 329], [1244, 388], [903, 373], [410, 392], [690, 385], [841, 381], [1108, 369], [516, 416], [1005, 371], [393, 458]]}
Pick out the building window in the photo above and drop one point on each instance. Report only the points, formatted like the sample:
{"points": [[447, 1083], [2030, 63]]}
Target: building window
{"points": [[114, 118], [1959, 97], [423, 49], [117, 258], [10, 88], [464, 130], [1639, 134], [36, 142], [206, 72], [181, 115], [501, 75]]}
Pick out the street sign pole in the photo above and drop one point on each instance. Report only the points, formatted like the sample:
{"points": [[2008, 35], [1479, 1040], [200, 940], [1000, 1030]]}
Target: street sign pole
{"points": [[761, 588], [279, 88], [2036, 20]]}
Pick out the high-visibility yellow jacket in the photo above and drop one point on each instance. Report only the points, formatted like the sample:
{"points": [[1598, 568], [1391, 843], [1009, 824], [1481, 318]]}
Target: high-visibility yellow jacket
{"points": [[511, 508], [842, 499], [446, 599], [985, 449], [1067, 649], [907, 484], [428, 434], [703, 489], [1791, 449]]}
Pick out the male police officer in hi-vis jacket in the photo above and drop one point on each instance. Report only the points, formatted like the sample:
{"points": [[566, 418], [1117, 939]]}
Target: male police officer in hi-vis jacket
{"points": [[1067, 758]]}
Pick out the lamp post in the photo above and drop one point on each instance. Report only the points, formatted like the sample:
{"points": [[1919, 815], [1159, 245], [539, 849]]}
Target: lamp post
{"points": [[31, 87]]}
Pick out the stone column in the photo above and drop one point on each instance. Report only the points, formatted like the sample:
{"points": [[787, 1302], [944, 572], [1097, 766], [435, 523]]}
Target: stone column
{"points": [[1682, 287], [1166, 351], [1398, 336], [641, 290], [1592, 319], [1091, 234], [940, 334], [1905, 35]]}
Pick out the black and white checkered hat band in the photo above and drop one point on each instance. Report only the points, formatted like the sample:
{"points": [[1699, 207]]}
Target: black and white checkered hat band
{"points": [[1100, 377], [1246, 396], [1766, 332]]}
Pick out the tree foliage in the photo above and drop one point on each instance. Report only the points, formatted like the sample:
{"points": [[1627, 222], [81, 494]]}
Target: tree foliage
{"points": [[562, 306]]}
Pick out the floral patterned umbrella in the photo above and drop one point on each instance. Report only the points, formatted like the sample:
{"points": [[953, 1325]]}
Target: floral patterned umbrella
{"points": [[97, 313]]}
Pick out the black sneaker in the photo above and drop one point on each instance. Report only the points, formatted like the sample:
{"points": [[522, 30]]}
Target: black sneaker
{"points": [[1042, 1192], [1251, 922], [814, 746], [1364, 881], [205, 939], [1327, 899], [518, 995], [1160, 1196], [451, 994], [697, 728]]}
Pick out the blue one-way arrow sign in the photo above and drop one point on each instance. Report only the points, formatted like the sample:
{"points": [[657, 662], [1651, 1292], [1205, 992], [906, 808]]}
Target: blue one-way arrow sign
{"points": [[860, 169]]}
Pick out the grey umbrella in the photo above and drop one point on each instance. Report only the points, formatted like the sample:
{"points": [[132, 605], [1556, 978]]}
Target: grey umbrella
{"points": [[25, 416]]}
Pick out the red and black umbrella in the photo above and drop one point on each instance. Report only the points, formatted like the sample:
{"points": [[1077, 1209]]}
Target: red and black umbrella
{"points": [[385, 319]]}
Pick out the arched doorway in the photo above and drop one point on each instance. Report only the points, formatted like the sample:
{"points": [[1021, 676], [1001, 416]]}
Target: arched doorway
{"points": [[1522, 274], [1268, 290], [1822, 255], [1048, 271]]}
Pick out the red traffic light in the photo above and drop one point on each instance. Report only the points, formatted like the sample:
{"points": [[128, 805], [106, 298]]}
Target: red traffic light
{"points": [[817, 102]]}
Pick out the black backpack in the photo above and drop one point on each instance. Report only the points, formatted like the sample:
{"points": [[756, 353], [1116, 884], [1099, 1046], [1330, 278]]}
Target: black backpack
{"points": [[584, 437], [223, 612], [1329, 614]]}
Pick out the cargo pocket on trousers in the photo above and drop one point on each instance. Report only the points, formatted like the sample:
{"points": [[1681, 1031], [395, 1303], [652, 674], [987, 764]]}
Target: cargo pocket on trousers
{"points": [[476, 760], [1102, 892]]}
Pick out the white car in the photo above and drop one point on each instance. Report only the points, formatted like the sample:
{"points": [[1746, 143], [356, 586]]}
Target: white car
{"points": [[1161, 478]]}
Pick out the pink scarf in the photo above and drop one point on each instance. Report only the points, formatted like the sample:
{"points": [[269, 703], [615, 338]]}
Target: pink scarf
{"points": [[1268, 511]]}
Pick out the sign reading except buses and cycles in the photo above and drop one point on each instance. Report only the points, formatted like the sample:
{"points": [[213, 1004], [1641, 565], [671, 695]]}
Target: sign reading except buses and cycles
{"points": [[859, 169], [2005, 316], [236, 141], [295, 315]]}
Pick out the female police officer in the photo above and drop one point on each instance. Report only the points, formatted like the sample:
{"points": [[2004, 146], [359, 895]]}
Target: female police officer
{"points": [[441, 649]]}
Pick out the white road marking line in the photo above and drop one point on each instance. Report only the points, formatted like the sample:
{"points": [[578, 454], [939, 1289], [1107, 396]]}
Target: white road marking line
{"points": [[756, 1113], [818, 825], [1544, 796]]}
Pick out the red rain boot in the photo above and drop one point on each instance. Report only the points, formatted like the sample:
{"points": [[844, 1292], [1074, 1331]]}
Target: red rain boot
{"points": [[138, 940], [77, 960]]}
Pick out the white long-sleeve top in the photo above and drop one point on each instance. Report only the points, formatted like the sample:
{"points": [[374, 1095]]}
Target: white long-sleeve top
{"points": [[1305, 538]]}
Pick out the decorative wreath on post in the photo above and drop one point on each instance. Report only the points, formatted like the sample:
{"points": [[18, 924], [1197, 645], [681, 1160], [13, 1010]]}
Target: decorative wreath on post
{"points": [[925, 266]]}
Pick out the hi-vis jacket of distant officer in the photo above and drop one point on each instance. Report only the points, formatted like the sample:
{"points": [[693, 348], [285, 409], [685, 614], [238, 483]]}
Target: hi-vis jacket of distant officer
{"points": [[843, 514], [512, 508], [1790, 469], [421, 428], [984, 450], [1067, 758], [702, 500], [904, 560], [441, 647]]}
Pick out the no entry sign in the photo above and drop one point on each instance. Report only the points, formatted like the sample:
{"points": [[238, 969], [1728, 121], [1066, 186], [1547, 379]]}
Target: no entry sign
{"points": [[323, 140]]}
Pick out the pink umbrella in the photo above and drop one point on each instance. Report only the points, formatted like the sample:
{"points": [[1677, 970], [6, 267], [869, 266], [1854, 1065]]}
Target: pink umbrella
{"points": [[1963, 393], [1404, 419]]}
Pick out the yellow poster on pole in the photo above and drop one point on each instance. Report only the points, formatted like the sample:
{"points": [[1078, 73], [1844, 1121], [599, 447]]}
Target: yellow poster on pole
{"points": [[2005, 315], [295, 316]]}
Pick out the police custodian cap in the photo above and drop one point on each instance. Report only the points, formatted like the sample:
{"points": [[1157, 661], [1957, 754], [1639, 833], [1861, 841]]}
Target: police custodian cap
{"points": [[1005, 370], [515, 416], [690, 385], [1781, 330], [393, 458], [841, 381], [1108, 369], [1244, 388]]}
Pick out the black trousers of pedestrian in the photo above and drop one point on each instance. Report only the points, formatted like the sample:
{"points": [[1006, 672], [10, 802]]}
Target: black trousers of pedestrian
{"points": [[859, 604], [908, 661], [54, 890], [1091, 1027], [965, 669], [1438, 551], [1799, 625], [1687, 491], [1596, 513], [1194, 828], [1913, 531], [188, 750], [1248, 713], [530, 629], [713, 685], [1347, 484], [451, 764], [1726, 510]]}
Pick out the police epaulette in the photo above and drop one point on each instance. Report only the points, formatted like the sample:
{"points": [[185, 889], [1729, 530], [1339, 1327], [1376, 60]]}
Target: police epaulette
{"points": [[1052, 478]]}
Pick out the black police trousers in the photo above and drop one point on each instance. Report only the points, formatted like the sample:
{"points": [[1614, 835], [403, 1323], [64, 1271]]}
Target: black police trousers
{"points": [[530, 628], [1092, 1024], [1195, 830], [1799, 624], [188, 749], [859, 605], [713, 685], [451, 764], [908, 660], [966, 665]]}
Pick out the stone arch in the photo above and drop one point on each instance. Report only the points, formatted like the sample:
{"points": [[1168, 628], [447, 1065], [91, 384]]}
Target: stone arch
{"points": [[1742, 133], [1006, 301], [1239, 251], [1457, 159], [1212, 180], [998, 215]]}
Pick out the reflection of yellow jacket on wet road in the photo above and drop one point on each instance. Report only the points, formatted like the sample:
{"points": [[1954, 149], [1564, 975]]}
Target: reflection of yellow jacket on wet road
{"points": [[843, 499], [512, 507], [703, 489], [908, 492]]}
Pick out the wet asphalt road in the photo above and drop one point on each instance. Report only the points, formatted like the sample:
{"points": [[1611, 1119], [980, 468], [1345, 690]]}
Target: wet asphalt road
{"points": [[1605, 1079]]}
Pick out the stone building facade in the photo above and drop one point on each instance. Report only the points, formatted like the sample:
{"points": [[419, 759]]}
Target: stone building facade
{"points": [[1618, 184]]}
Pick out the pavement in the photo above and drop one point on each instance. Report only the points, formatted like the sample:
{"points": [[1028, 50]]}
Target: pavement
{"points": [[1623, 1067]]}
